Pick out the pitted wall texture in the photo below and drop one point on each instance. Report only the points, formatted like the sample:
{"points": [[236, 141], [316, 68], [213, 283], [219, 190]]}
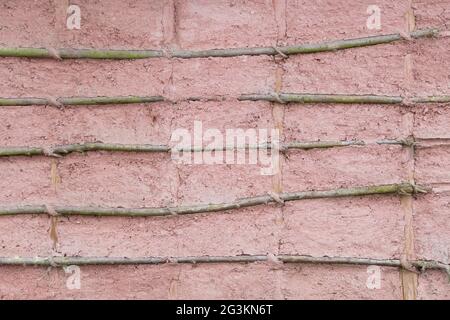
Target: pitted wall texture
{"points": [[370, 226]]}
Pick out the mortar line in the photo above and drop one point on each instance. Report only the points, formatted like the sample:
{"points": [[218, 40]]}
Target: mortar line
{"points": [[278, 111], [409, 279], [60, 7]]}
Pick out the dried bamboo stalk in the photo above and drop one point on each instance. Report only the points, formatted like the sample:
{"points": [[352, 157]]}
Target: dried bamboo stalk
{"points": [[421, 265], [341, 98], [117, 147], [305, 48], [99, 146], [280, 98], [84, 147], [432, 99], [402, 188], [80, 53], [332, 144], [321, 144], [21, 151], [322, 98], [233, 52], [77, 101], [436, 142]]}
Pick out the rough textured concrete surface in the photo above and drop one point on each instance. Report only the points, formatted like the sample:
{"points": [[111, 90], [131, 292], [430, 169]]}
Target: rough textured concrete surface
{"points": [[375, 226]]}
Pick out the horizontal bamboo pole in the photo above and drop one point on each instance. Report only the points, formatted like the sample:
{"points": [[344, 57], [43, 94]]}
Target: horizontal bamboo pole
{"points": [[233, 52], [272, 97], [63, 150], [402, 188], [432, 99], [83, 147], [76, 101], [305, 48], [21, 151], [341, 98], [421, 265], [322, 98], [99, 146], [150, 148], [321, 144], [435, 142], [333, 144], [79, 53]]}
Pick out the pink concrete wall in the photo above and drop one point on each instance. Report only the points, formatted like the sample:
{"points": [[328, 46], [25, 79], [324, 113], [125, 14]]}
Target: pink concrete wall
{"points": [[362, 226]]}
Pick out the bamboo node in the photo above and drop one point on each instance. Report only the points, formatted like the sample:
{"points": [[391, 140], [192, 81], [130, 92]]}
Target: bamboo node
{"points": [[51, 210], [167, 53], [405, 35], [283, 148], [408, 102], [411, 189], [409, 141], [53, 53], [278, 50], [421, 189], [52, 262], [406, 189], [172, 211], [423, 268], [54, 102], [276, 197], [172, 260], [273, 259], [277, 97], [50, 152], [407, 265]]}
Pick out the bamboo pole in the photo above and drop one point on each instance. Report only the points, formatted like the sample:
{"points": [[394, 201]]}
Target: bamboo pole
{"points": [[420, 265], [79, 53], [402, 188], [432, 99], [83, 147], [407, 142], [63, 150], [21, 151], [99, 146], [271, 97], [233, 52], [304, 48], [77, 101], [321, 144], [432, 142], [341, 98], [322, 98], [67, 149]]}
